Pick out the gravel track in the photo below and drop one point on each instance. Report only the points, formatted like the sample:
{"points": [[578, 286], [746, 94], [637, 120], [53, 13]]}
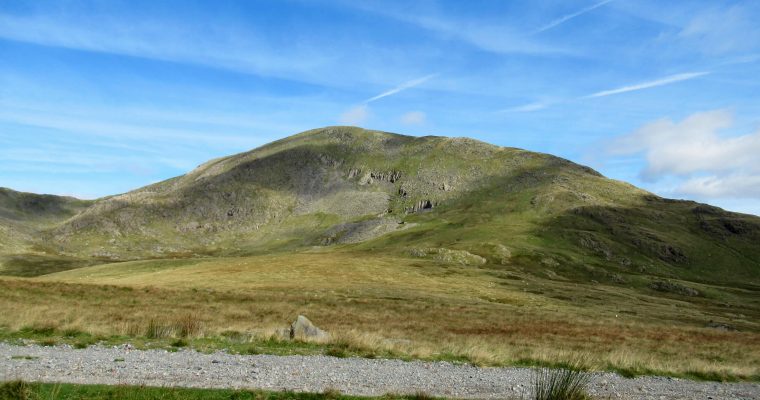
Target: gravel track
{"points": [[357, 376]]}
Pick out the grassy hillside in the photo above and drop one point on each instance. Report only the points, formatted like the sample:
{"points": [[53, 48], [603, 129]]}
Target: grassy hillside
{"points": [[343, 186], [23, 218], [35, 208]]}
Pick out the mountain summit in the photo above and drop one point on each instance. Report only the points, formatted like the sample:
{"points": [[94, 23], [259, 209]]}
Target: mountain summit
{"points": [[453, 199]]}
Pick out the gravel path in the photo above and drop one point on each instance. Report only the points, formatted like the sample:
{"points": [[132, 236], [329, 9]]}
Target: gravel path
{"points": [[122, 365]]}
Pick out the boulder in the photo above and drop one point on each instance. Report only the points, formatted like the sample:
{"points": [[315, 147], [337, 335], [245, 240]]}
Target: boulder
{"points": [[302, 328]]}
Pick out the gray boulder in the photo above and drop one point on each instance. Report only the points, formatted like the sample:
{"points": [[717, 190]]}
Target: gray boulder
{"points": [[302, 328]]}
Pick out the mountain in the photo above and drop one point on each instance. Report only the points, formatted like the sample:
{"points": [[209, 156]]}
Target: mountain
{"points": [[23, 218], [456, 200]]}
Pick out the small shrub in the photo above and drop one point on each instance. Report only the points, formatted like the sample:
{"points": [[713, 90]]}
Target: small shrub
{"points": [[188, 325], [560, 384], [16, 390], [157, 330], [42, 330], [72, 333], [179, 343], [331, 393], [251, 350], [337, 351], [420, 395]]}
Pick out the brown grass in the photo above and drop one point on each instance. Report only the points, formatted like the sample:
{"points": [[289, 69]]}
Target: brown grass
{"points": [[421, 310]]}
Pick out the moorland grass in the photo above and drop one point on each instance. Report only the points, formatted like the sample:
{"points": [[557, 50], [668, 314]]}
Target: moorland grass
{"points": [[385, 307]]}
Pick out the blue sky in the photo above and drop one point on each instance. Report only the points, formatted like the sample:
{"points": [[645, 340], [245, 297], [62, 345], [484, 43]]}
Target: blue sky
{"points": [[102, 97]]}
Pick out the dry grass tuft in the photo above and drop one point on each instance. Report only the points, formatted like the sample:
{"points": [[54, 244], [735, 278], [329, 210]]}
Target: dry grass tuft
{"points": [[186, 326], [567, 383]]}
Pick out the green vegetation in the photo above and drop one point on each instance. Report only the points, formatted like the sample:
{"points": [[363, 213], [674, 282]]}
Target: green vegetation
{"points": [[19, 390]]}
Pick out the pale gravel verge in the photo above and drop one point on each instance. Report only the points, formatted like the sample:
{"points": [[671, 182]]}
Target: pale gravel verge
{"points": [[356, 376]]}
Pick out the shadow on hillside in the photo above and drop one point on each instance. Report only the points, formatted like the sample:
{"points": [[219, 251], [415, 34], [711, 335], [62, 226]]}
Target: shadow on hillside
{"points": [[675, 238]]}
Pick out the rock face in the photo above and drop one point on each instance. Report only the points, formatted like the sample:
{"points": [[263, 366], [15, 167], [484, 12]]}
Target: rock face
{"points": [[302, 328], [421, 205], [355, 232]]}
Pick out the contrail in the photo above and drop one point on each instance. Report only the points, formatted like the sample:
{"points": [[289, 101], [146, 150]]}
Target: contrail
{"points": [[568, 17], [401, 87], [646, 85]]}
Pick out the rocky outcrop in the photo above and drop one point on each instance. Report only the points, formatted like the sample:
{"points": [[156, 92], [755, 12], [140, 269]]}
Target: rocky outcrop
{"points": [[371, 177], [448, 256], [421, 205], [672, 287], [302, 329], [502, 254], [589, 241]]}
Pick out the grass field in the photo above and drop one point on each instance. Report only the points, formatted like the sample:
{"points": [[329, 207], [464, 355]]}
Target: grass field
{"points": [[390, 306], [40, 391]]}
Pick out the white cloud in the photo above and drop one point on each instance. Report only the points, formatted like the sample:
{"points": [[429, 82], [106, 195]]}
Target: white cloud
{"points": [[414, 118], [733, 186], [646, 85], [355, 115], [712, 165], [565, 18], [402, 87]]}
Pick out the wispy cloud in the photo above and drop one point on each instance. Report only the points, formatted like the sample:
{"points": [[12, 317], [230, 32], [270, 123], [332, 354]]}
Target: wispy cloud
{"points": [[401, 87], [493, 37], [565, 18], [355, 115], [108, 129], [724, 29], [526, 108], [646, 85], [166, 41]]}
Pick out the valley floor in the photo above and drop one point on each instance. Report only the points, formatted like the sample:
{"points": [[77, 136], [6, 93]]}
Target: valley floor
{"points": [[385, 306], [121, 365]]}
